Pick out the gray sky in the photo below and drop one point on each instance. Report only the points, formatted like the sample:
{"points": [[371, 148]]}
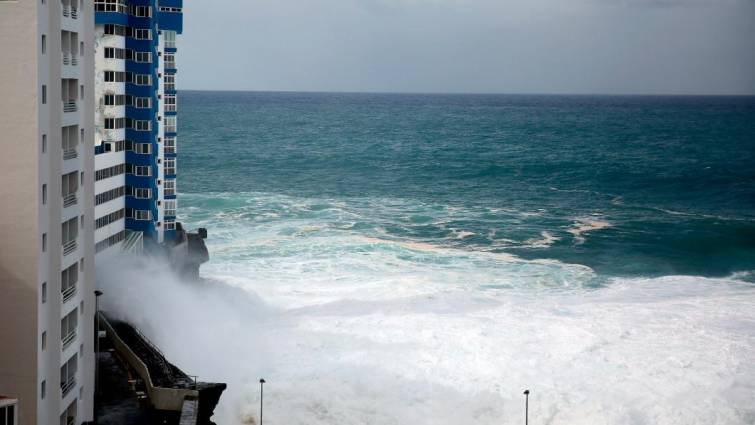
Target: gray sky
{"points": [[500, 46]]}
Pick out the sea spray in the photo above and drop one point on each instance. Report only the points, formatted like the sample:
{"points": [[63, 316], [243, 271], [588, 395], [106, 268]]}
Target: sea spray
{"points": [[674, 350]]}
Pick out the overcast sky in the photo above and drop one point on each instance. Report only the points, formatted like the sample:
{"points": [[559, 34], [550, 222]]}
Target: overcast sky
{"points": [[498, 46]]}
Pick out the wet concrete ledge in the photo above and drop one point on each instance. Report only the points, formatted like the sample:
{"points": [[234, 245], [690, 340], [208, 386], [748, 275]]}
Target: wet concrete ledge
{"points": [[154, 388]]}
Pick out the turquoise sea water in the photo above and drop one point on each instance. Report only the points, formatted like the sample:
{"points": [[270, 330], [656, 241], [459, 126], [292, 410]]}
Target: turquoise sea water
{"points": [[669, 181], [421, 259]]}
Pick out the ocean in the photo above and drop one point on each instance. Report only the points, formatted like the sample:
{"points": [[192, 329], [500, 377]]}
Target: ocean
{"points": [[423, 259]]}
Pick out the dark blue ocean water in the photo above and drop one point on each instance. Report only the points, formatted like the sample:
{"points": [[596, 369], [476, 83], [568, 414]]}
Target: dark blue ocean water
{"points": [[629, 186]]}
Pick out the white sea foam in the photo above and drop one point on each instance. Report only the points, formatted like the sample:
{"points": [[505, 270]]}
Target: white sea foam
{"points": [[370, 328], [546, 239], [349, 330], [462, 234], [586, 225]]}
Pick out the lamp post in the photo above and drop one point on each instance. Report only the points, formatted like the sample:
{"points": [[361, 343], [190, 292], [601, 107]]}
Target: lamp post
{"points": [[262, 383], [526, 406]]}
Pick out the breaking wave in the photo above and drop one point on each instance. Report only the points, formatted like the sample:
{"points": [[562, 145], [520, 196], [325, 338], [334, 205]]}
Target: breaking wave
{"points": [[350, 325]]}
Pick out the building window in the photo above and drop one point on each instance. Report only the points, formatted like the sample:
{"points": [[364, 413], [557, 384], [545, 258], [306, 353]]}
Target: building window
{"points": [[44, 94], [44, 143], [109, 195], [139, 170], [170, 166], [111, 29], [69, 141], [170, 188], [68, 280], [68, 374], [109, 218], [170, 208], [44, 194], [138, 214], [143, 57], [170, 103], [44, 44], [111, 6], [113, 171], [170, 124], [116, 53], [69, 187], [43, 391], [142, 34], [69, 415], [170, 82], [44, 340], [170, 145], [114, 123], [114, 99], [170, 61], [142, 148], [142, 125], [170, 225], [69, 232], [68, 327], [117, 76], [44, 292], [141, 11], [143, 102], [44, 242], [170, 38], [143, 80], [8, 413], [139, 192]]}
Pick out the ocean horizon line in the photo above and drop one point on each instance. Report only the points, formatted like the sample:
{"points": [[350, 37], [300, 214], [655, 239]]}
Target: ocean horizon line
{"points": [[421, 93]]}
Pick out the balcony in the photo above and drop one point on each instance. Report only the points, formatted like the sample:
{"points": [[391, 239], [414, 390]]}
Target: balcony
{"points": [[69, 292], [66, 387], [68, 339], [69, 247], [70, 106], [70, 154], [69, 200]]}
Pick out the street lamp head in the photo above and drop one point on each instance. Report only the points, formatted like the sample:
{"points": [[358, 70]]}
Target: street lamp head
{"points": [[97, 293], [262, 381], [526, 392]]}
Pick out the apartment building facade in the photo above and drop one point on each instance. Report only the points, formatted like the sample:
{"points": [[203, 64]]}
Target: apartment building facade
{"points": [[47, 217], [135, 122]]}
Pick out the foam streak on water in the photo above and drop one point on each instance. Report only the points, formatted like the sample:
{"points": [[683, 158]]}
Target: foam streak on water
{"points": [[352, 324]]}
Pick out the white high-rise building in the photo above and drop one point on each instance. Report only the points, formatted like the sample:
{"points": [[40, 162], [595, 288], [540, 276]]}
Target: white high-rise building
{"points": [[47, 304]]}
